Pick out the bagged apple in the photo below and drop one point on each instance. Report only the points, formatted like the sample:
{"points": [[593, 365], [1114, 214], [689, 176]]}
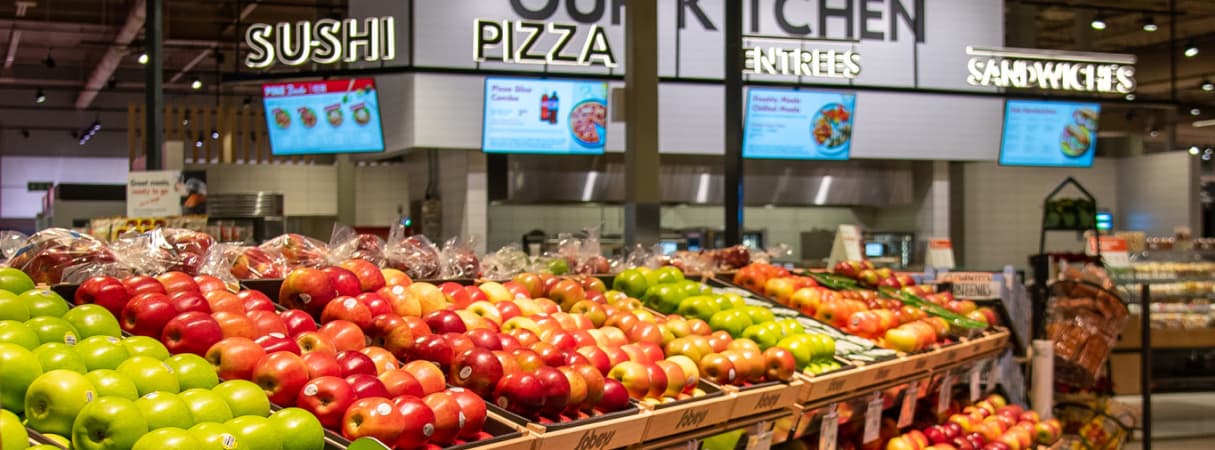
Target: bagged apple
{"points": [[57, 255], [230, 262], [505, 263], [345, 243], [415, 255], [188, 248], [458, 258], [298, 250], [589, 254]]}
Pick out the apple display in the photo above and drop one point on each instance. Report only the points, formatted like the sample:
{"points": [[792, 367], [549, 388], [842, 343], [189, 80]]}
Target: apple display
{"points": [[244, 398], [149, 375], [327, 397]]}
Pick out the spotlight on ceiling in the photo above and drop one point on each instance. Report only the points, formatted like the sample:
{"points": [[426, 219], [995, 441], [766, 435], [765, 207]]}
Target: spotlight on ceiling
{"points": [[1191, 49], [214, 134], [1207, 85], [1149, 24], [39, 96], [1130, 97], [1193, 149], [1195, 111], [143, 58], [1098, 23], [1153, 132], [196, 84]]}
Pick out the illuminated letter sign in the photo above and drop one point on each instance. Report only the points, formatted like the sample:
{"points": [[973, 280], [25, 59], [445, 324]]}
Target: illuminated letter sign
{"points": [[516, 41], [325, 41], [1102, 73], [798, 62]]}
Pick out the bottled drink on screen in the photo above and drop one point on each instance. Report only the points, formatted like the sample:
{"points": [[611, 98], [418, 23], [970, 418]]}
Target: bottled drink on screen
{"points": [[552, 113], [544, 112]]}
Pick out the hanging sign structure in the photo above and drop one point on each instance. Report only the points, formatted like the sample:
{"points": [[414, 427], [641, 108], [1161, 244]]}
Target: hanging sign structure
{"points": [[325, 41], [1025, 68]]}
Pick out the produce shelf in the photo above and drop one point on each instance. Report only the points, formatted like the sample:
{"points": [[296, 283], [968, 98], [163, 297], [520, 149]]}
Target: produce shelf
{"points": [[763, 397], [667, 419]]}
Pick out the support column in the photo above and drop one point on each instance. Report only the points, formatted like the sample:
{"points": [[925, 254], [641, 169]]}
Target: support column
{"points": [[641, 162], [154, 93], [734, 122], [347, 192]]}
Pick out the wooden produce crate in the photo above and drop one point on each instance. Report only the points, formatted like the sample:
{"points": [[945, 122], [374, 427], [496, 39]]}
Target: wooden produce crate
{"points": [[503, 436], [763, 397], [600, 431], [682, 416], [818, 387]]}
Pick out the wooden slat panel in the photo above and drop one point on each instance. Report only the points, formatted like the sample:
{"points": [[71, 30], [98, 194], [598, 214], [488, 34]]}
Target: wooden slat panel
{"points": [[246, 131], [143, 136], [204, 131], [132, 141]]}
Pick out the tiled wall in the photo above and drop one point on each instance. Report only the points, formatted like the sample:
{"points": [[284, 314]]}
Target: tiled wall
{"points": [[382, 193], [1158, 192], [1003, 209]]}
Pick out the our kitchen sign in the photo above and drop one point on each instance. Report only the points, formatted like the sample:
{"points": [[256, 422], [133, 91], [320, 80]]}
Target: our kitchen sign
{"points": [[898, 43], [324, 41], [1020, 68]]}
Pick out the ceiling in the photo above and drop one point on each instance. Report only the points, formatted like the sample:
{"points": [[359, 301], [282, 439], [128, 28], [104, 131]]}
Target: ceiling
{"points": [[95, 68]]}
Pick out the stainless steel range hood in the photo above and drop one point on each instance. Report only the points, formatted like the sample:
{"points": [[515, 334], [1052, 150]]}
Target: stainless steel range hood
{"points": [[698, 180]]}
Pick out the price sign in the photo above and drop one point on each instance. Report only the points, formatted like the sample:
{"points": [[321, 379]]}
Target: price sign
{"points": [[847, 245], [975, 389], [760, 441], [940, 253], [828, 432], [972, 285], [873, 419], [907, 412], [1113, 250], [946, 393]]}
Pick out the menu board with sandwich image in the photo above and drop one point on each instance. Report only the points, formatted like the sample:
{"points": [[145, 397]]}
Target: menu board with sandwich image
{"points": [[1049, 133]]}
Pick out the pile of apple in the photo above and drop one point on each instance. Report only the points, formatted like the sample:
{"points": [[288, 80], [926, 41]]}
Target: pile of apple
{"points": [[666, 291], [989, 424]]}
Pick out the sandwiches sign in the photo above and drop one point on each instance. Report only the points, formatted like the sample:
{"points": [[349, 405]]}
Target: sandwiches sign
{"points": [[1020, 68]]}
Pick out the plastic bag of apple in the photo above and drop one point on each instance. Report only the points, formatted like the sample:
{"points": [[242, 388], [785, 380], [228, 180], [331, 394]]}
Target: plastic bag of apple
{"points": [[50, 255], [345, 243]]}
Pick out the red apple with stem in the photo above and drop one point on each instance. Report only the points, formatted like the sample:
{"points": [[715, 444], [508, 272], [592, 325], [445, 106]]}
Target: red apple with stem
{"points": [[327, 398], [344, 281], [375, 417], [282, 375], [307, 289], [146, 314], [192, 332], [235, 357], [419, 424]]}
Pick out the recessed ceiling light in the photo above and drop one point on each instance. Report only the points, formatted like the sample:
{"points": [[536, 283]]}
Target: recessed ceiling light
{"points": [[1098, 23], [1195, 111], [1193, 149], [1191, 49], [39, 96], [196, 84], [1207, 85], [1149, 24], [143, 58]]}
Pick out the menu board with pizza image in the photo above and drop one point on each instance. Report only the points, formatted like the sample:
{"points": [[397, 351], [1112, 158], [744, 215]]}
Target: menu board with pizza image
{"points": [[544, 116], [332, 116]]}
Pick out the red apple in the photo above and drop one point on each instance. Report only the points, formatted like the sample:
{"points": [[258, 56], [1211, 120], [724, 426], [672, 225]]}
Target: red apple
{"points": [[192, 332], [352, 362], [307, 289], [312, 341], [375, 303], [349, 309], [375, 417], [105, 291], [477, 370], [140, 284], [345, 335], [266, 322], [615, 396], [444, 321], [253, 300], [277, 342], [365, 385], [370, 277], [473, 409], [235, 324], [381, 325], [327, 398], [186, 301], [322, 364], [399, 382], [521, 393], [433, 348], [383, 359], [281, 375], [297, 321], [208, 283], [344, 281], [485, 339], [427, 373], [420, 422], [448, 417], [235, 357], [177, 282], [146, 314], [557, 391], [779, 364]]}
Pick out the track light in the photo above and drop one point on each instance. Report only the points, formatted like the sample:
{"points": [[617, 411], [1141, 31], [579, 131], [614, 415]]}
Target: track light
{"points": [[1130, 97], [1153, 132], [39, 96], [1195, 111], [1191, 49], [143, 58], [1149, 24], [96, 125], [1098, 23], [1207, 85], [214, 134], [196, 84], [1193, 149], [185, 121], [49, 61], [198, 143]]}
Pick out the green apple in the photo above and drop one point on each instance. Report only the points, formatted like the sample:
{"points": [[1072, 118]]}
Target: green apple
{"points": [[206, 406], [790, 327], [93, 320], [193, 371], [245, 398], [58, 440], [12, 308], [690, 287], [145, 346], [54, 398], [165, 409], [53, 329], [259, 433], [736, 301], [15, 281], [668, 275], [57, 355], [44, 303], [102, 352], [216, 436], [168, 439], [822, 346], [759, 314], [45, 447], [108, 423], [149, 375], [110, 383], [733, 321], [12, 432], [18, 368], [723, 302], [800, 346], [765, 334], [664, 297], [300, 430], [632, 282], [14, 332], [698, 306]]}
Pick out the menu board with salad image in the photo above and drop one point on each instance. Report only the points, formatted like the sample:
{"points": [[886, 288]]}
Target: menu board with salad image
{"points": [[802, 124], [1049, 133], [544, 116], [334, 116]]}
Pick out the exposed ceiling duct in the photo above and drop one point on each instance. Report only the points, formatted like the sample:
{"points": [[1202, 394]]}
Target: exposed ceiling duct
{"points": [[113, 55]]}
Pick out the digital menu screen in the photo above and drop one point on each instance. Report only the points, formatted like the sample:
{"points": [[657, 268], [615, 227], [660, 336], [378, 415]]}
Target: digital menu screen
{"points": [[335, 116], [803, 124], [544, 116], [1049, 133]]}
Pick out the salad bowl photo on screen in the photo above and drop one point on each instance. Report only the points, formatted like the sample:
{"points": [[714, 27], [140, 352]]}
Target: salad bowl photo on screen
{"points": [[349, 109], [798, 124]]}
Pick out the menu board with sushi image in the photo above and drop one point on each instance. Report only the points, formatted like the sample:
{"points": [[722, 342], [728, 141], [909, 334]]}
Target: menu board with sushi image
{"points": [[1049, 133], [334, 116], [802, 124], [544, 116]]}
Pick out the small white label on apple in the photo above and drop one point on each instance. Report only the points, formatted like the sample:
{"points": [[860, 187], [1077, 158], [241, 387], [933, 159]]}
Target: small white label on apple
{"points": [[465, 373], [112, 339], [350, 302], [502, 402], [310, 390], [384, 409], [69, 339], [731, 374], [228, 441], [88, 396], [428, 430]]}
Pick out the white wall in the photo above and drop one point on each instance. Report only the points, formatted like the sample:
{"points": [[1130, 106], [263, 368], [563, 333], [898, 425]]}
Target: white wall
{"points": [[308, 190], [16, 171], [381, 194], [1002, 209], [1158, 192]]}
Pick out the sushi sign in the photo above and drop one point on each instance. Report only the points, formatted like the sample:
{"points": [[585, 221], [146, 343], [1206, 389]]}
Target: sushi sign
{"points": [[1101, 73], [325, 41]]}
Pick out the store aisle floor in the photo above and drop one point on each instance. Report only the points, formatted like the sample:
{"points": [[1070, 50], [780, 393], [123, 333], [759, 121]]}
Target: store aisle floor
{"points": [[1179, 421]]}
